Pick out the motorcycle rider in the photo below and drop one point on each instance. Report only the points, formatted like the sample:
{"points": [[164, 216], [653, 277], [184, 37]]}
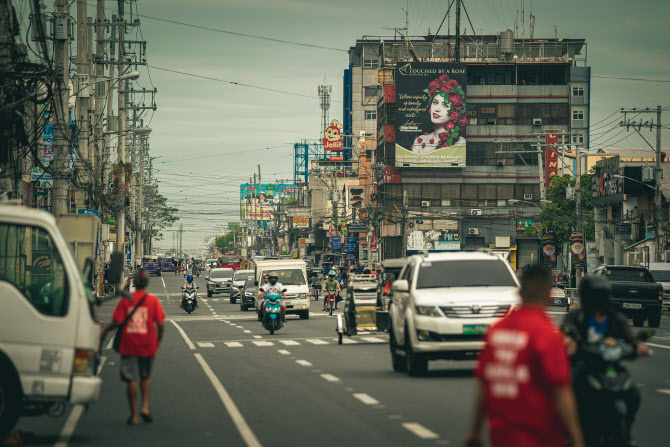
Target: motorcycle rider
{"points": [[190, 285], [329, 287], [595, 322], [273, 287]]}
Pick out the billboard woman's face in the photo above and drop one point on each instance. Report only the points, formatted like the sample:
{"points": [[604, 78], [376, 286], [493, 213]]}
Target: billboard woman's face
{"points": [[439, 110]]}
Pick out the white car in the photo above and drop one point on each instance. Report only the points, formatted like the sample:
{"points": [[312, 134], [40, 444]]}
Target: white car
{"points": [[239, 278], [444, 303]]}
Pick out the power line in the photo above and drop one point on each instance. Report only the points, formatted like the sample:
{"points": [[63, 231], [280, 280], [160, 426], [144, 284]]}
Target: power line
{"points": [[631, 79]]}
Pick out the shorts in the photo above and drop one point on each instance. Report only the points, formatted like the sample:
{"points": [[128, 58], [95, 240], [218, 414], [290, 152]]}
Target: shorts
{"points": [[135, 368]]}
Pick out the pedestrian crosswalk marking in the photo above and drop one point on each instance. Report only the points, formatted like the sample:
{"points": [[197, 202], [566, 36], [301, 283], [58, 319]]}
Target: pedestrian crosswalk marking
{"points": [[234, 344], [247, 331], [316, 341], [206, 345], [289, 342], [372, 339], [262, 343], [348, 341]]}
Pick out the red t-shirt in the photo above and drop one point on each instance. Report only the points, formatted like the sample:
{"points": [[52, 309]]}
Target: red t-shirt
{"points": [[522, 363], [139, 334]]}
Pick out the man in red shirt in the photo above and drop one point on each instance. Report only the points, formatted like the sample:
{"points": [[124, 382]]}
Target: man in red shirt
{"points": [[524, 376], [139, 342]]}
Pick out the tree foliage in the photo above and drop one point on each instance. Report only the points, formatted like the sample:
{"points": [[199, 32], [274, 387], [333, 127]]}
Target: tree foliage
{"points": [[560, 216], [160, 215]]}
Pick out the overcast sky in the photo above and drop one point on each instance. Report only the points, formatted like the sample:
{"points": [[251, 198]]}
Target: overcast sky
{"points": [[210, 135]]}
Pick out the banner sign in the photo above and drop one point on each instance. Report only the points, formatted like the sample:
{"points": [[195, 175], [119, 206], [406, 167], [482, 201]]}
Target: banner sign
{"points": [[352, 244], [551, 156], [332, 137], [301, 222], [605, 188], [336, 243], [259, 202], [430, 114], [434, 239], [549, 250], [577, 249], [526, 224]]}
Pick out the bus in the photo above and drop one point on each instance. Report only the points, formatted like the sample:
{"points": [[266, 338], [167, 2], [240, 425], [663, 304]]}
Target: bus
{"points": [[228, 261], [152, 264]]}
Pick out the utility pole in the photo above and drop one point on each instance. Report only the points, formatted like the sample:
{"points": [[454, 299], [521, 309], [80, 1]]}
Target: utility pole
{"points": [[457, 52], [60, 198], [260, 204], [82, 102], [121, 148], [140, 200]]}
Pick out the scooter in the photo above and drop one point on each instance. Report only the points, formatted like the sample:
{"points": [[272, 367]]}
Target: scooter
{"points": [[189, 299], [605, 389], [272, 314]]}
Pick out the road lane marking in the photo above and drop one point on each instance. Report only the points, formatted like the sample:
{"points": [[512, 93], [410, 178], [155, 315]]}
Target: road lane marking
{"points": [[419, 430], [330, 378], [348, 341], [110, 345], [366, 399], [303, 363], [257, 336], [373, 339], [234, 344], [245, 431], [183, 334], [316, 341], [658, 346], [206, 345], [71, 423], [164, 284], [289, 342], [262, 343], [664, 391], [284, 352], [247, 331]]}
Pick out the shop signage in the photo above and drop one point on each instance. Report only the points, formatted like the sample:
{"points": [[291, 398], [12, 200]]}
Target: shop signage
{"points": [[549, 249], [356, 227], [551, 156], [332, 137], [605, 188], [301, 222], [577, 249]]}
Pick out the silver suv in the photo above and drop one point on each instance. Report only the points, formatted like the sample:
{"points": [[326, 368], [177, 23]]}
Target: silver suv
{"points": [[444, 303]]}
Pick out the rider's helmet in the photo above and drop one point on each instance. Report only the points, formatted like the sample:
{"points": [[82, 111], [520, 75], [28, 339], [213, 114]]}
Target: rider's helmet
{"points": [[273, 278], [140, 279], [595, 294], [366, 270], [331, 274], [189, 278]]}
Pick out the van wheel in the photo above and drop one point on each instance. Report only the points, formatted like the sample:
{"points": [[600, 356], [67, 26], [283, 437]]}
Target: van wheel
{"points": [[304, 315], [10, 401], [398, 363], [654, 321], [638, 321], [417, 364]]}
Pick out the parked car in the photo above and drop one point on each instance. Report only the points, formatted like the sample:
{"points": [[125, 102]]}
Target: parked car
{"points": [[239, 278], [635, 293], [443, 304], [219, 281], [247, 294]]}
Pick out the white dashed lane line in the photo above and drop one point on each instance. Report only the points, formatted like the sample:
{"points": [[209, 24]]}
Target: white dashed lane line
{"points": [[284, 352], [316, 341], [420, 431], [247, 331], [206, 345], [303, 363], [664, 391], [234, 344], [263, 343], [366, 399], [330, 378]]}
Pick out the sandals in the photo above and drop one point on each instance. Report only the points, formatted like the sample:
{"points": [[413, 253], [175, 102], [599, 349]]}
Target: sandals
{"points": [[148, 418]]}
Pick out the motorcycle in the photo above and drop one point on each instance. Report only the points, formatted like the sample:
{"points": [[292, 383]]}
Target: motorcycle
{"points": [[272, 314], [196, 271], [332, 298], [316, 288], [189, 299], [605, 389]]}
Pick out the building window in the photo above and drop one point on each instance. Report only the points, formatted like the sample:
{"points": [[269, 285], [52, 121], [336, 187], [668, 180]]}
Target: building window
{"points": [[577, 91], [578, 139], [577, 114], [370, 114], [369, 63]]}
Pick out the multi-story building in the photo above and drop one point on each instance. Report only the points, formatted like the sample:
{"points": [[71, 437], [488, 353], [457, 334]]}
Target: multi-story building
{"points": [[517, 91]]}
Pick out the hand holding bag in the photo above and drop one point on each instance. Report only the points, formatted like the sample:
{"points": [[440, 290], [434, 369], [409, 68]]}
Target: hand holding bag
{"points": [[119, 332]]}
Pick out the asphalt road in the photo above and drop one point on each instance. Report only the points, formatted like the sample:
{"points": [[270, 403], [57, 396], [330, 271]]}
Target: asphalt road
{"points": [[219, 378]]}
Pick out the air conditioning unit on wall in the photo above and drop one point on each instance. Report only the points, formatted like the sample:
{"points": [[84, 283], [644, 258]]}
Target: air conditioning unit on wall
{"points": [[476, 212], [473, 231], [425, 203], [527, 197], [537, 121]]}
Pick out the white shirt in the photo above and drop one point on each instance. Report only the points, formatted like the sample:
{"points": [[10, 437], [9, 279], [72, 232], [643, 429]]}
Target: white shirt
{"points": [[269, 289]]}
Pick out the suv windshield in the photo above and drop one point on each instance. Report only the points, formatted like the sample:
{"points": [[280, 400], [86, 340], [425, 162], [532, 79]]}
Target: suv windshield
{"points": [[474, 273], [242, 276], [229, 260], [289, 277], [630, 275], [222, 274], [249, 283]]}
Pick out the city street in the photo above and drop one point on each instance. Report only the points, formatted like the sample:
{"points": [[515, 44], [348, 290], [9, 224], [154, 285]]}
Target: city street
{"points": [[219, 378]]}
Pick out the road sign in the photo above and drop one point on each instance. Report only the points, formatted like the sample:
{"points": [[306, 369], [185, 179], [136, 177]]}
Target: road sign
{"points": [[356, 227], [336, 242], [85, 211], [352, 244]]}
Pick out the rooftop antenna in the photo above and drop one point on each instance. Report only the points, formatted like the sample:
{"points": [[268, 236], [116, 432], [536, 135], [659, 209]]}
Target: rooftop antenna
{"points": [[324, 90]]}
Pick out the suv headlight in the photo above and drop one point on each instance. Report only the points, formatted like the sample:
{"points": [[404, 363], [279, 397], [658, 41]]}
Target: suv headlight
{"points": [[302, 296], [428, 311]]}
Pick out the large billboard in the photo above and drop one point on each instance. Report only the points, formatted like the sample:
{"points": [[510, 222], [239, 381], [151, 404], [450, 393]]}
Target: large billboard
{"points": [[430, 114], [259, 203]]}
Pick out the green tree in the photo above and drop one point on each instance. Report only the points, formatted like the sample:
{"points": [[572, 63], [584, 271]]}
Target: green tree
{"points": [[227, 240], [560, 216], [160, 214]]}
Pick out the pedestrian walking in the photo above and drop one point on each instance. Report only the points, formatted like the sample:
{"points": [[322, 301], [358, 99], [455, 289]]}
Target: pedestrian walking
{"points": [[524, 388], [141, 320]]}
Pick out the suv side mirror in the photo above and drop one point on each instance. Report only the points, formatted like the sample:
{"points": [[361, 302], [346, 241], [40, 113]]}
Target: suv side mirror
{"points": [[401, 285]]}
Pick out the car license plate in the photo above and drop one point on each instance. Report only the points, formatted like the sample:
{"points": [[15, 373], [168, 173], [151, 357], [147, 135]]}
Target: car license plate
{"points": [[632, 306], [475, 329], [559, 301]]}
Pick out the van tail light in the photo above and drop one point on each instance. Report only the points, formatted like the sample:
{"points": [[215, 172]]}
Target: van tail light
{"points": [[84, 362]]}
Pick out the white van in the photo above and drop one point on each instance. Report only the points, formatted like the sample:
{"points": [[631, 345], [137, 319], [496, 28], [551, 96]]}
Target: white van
{"points": [[293, 276], [48, 329], [661, 273]]}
